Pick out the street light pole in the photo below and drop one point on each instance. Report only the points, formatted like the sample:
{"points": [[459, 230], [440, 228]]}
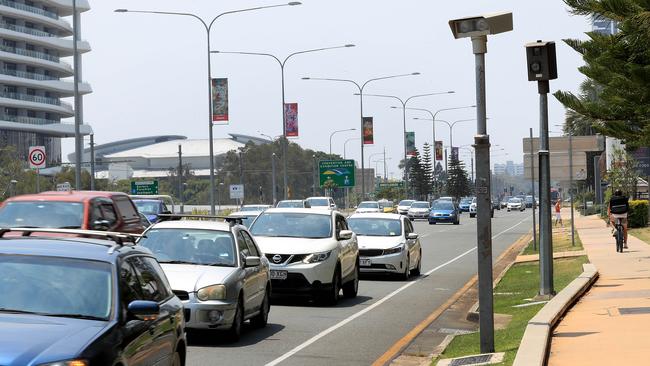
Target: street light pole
{"points": [[273, 184], [361, 88], [335, 132], [345, 145], [208, 28], [282, 64]]}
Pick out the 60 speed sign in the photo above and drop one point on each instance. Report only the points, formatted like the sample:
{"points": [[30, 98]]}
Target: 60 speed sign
{"points": [[37, 157]]}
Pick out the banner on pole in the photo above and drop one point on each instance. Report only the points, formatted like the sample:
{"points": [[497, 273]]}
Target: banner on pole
{"points": [[291, 118], [438, 150], [219, 100], [368, 131], [454, 152], [410, 144]]}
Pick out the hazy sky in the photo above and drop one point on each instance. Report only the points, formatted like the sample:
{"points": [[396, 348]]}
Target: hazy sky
{"points": [[148, 72]]}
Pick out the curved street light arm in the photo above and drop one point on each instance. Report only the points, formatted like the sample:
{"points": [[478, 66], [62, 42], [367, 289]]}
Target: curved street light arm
{"points": [[427, 95], [387, 77], [339, 80], [249, 9], [315, 50], [251, 54]]}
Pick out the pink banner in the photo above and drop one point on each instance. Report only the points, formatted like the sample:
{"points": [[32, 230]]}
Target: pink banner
{"points": [[291, 119]]}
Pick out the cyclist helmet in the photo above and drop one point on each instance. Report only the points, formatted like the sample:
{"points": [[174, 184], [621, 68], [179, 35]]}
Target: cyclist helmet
{"points": [[618, 192]]}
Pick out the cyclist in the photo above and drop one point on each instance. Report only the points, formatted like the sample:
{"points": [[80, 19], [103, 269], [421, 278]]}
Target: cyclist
{"points": [[618, 209]]}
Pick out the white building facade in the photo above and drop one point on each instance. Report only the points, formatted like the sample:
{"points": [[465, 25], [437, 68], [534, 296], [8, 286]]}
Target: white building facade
{"points": [[35, 35]]}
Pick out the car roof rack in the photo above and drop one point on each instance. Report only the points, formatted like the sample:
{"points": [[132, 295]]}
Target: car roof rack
{"points": [[232, 220], [117, 238]]}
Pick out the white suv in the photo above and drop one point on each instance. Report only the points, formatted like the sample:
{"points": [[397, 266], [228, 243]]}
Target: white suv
{"points": [[322, 202], [311, 252]]}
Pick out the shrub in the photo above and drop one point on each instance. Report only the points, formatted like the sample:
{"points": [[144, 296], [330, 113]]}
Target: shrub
{"points": [[638, 216]]}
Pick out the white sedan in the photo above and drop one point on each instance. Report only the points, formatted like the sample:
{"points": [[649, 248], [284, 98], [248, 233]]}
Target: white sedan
{"points": [[368, 207], [516, 204], [387, 243]]}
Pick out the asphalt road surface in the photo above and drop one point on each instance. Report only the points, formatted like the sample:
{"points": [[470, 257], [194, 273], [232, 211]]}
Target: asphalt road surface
{"points": [[358, 331]]}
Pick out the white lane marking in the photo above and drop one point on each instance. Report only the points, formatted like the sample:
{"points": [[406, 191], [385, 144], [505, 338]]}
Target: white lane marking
{"points": [[347, 320]]}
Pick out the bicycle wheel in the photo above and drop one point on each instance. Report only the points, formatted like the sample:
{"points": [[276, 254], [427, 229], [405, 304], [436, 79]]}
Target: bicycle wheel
{"points": [[619, 239]]}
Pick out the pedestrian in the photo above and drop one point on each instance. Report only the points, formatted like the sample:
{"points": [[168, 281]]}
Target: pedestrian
{"points": [[558, 216]]}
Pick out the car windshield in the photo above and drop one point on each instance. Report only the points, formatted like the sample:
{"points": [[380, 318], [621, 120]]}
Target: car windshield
{"points": [[369, 205], [41, 214], [293, 225], [420, 205], [529, 198], [514, 200], [466, 201], [319, 202], [148, 207], [405, 203], [191, 246], [375, 227], [443, 205], [290, 204], [45, 285]]}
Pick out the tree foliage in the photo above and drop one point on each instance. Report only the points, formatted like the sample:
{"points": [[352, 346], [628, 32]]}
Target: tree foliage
{"points": [[419, 181], [623, 174], [617, 70], [458, 184]]}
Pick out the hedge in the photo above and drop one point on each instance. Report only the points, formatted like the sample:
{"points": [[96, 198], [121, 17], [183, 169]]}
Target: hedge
{"points": [[638, 216]]}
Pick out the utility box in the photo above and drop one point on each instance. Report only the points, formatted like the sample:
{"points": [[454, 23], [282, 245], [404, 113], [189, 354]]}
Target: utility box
{"points": [[542, 64]]}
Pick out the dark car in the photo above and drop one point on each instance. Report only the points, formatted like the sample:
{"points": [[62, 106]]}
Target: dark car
{"points": [[464, 204], [151, 208], [82, 301], [444, 211], [88, 210]]}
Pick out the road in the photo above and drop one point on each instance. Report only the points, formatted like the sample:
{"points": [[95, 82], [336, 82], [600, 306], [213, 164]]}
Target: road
{"points": [[358, 331]]}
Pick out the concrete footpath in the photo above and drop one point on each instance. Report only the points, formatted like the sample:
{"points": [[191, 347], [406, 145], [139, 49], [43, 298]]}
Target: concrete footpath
{"points": [[610, 325]]}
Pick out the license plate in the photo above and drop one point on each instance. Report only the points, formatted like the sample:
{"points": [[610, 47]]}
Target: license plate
{"points": [[365, 262], [278, 275]]}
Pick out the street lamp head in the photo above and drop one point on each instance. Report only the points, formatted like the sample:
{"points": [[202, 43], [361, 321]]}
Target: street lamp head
{"points": [[306, 78], [415, 73], [294, 3], [393, 107], [481, 25], [121, 10], [451, 92], [349, 45]]}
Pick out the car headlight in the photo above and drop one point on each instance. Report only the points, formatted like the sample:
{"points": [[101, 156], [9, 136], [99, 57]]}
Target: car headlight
{"points": [[214, 292], [317, 257], [66, 363], [397, 249]]}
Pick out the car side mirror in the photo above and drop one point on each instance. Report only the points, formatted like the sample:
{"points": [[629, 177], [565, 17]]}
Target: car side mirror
{"points": [[345, 234], [412, 236], [167, 212], [143, 310], [101, 225], [332, 205], [252, 261]]}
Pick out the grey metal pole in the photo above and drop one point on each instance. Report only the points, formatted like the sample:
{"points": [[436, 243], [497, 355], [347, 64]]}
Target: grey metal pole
{"points": [[385, 174], [314, 175], [92, 161], [78, 142], [273, 184], [532, 183], [484, 221], [363, 170], [210, 128], [445, 161], [180, 176], [545, 229], [573, 239], [285, 141], [38, 181]]}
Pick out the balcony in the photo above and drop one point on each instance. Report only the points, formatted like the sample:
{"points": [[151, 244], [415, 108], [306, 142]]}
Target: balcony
{"points": [[29, 120], [29, 53], [31, 9], [21, 29], [34, 98], [27, 75]]}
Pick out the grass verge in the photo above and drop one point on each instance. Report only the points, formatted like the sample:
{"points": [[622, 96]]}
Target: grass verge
{"points": [[641, 233], [561, 240]]}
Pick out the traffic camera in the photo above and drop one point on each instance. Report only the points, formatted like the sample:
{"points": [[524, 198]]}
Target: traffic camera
{"points": [[542, 65], [482, 25]]}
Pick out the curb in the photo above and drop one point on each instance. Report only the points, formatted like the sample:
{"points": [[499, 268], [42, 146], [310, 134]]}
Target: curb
{"points": [[535, 344]]}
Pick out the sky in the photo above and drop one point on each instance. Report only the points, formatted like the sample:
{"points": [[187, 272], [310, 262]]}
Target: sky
{"points": [[148, 72]]}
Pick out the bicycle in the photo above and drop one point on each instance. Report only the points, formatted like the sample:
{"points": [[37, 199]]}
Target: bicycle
{"points": [[619, 235]]}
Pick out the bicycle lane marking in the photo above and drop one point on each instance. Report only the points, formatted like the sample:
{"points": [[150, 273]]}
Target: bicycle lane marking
{"points": [[354, 316]]}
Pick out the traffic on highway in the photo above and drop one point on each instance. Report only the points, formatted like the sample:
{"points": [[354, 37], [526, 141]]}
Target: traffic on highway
{"points": [[189, 287]]}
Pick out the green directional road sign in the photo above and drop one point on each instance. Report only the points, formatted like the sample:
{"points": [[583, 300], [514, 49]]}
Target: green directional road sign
{"points": [[388, 185], [339, 172], [148, 187]]}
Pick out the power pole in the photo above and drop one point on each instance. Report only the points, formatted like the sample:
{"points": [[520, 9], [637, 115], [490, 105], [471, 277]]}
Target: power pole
{"points": [[92, 161], [532, 183], [273, 185], [180, 176]]}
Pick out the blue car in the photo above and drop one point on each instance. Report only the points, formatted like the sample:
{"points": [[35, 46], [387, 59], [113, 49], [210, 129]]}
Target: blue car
{"points": [[464, 204], [83, 302], [151, 208], [444, 211]]}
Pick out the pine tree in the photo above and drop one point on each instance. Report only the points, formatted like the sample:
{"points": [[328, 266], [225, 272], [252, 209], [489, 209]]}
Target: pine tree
{"points": [[458, 184], [417, 177], [427, 167]]}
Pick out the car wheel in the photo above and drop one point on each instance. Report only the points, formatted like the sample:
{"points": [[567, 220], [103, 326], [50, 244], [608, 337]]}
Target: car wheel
{"points": [[472, 215], [417, 270], [331, 297], [176, 359], [260, 320], [457, 222], [432, 222], [351, 288], [407, 270], [234, 333]]}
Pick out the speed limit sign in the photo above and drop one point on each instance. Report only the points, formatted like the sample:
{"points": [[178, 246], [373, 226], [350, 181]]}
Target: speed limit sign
{"points": [[37, 157]]}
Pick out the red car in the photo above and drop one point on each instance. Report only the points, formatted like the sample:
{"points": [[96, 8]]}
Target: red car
{"points": [[88, 210]]}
